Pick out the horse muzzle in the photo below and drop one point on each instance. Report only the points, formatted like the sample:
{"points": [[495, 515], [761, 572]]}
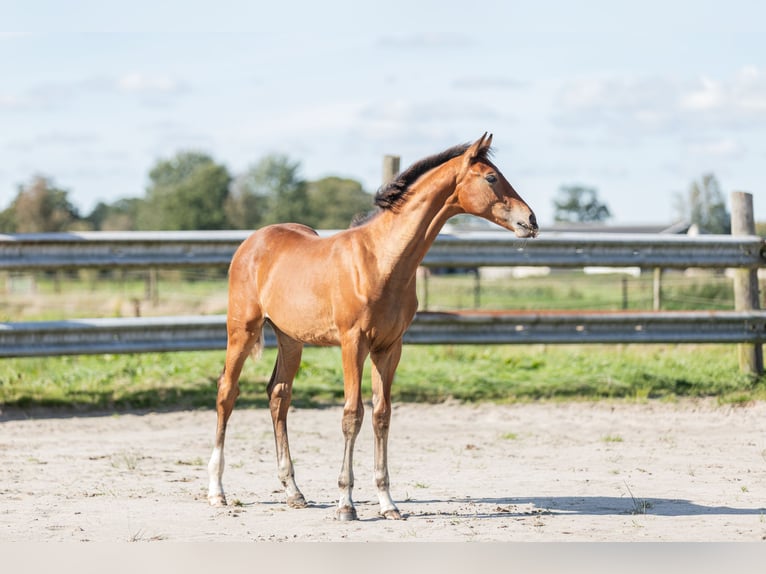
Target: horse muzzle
{"points": [[528, 228]]}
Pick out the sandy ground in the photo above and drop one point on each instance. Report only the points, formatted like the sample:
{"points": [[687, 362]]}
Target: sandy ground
{"points": [[606, 471]]}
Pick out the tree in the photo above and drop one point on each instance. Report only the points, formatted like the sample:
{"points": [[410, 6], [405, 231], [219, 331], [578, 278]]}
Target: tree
{"points": [[271, 191], [333, 202], [187, 192], [705, 206], [7, 221], [40, 207], [245, 205], [122, 215], [579, 204]]}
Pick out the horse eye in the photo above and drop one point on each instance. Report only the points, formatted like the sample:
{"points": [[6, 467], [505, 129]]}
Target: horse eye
{"points": [[491, 178]]}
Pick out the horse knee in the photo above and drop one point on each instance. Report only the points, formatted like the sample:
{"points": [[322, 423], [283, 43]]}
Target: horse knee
{"points": [[352, 421], [381, 418], [381, 428]]}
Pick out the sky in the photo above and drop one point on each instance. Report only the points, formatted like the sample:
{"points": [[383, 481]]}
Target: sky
{"points": [[635, 99]]}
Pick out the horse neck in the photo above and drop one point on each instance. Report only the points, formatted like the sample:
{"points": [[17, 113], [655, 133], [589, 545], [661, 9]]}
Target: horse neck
{"points": [[406, 236]]}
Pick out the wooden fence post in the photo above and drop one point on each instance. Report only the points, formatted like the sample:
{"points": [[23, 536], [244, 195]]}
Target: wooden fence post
{"points": [[476, 288], [746, 281], [624, 281], [152, 290], [390, 168], [657, 289]]}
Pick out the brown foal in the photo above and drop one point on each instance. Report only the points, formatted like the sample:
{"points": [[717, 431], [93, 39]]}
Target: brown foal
{"points": [[355, 289]]}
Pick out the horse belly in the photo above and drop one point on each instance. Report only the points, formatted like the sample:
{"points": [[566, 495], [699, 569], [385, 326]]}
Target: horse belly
{"points": [[324, 337], [303, 316]]}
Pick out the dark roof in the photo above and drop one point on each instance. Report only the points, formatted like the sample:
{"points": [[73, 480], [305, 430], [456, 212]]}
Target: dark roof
{"points": [[470, 223], [677, 228]]}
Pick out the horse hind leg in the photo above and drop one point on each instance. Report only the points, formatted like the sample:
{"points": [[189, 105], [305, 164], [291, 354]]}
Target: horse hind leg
{"points": [[354, 354], [242, 340], [280, 394]]}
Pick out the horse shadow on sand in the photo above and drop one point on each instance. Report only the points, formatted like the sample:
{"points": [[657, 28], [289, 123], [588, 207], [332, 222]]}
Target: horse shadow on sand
{"points": [[497, 508]]}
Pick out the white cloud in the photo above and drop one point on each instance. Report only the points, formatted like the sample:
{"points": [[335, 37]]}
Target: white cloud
{"points": [[14, 35], [9, 101], [619, 109], [61, 139], [736, 103], [315, 118], [708, 96], [723, 148], [41, 96], [408, 111], [148, 84], [170, 136], [749, 91], [744, 94], [621, 106], [46, 96], [425, 40], [487, 82]]}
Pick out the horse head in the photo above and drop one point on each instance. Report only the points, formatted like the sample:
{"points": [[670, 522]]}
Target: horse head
{"points": [[484, 191]]}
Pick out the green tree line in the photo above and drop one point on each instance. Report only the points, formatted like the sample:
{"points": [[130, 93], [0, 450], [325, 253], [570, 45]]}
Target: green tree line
{"points": [[191, 191]]}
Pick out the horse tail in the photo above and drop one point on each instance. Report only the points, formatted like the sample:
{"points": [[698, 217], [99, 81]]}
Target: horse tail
{"points": [[257, 351]]}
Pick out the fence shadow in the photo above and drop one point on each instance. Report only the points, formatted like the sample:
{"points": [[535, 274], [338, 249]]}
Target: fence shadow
{"points": [[573, 505]]}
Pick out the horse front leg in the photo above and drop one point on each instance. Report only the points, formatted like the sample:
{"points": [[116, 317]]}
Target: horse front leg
{"points": [[384, 365], [354, 355]]}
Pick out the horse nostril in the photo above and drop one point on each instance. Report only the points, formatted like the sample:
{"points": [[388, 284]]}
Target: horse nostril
{"points": [[533, 221]]}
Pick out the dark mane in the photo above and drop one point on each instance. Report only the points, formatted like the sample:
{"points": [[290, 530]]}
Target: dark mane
{"points": [[392, 195]]}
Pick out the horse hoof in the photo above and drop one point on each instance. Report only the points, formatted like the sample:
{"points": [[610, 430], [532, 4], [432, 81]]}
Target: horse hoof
{"points": [[346, 513], [296, 501], [392, 514], [217, 500]]}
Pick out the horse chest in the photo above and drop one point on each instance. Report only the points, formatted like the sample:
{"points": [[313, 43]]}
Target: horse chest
{"points": [[390, 317]]}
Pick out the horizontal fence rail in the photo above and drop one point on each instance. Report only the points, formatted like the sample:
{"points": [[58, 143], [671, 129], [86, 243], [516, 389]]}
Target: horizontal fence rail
{"points": [[195, 333], [168, 249], [155, 250]]}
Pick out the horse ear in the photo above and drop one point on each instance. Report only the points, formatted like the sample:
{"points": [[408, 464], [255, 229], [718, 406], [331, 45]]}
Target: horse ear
{"points": [[478, 148]]}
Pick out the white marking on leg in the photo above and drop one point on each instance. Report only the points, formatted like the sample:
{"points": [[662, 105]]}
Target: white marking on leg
{"points": [[346, 481], [386, 502], [387, 506], [384, 365], [346, 510], [215, 467]]}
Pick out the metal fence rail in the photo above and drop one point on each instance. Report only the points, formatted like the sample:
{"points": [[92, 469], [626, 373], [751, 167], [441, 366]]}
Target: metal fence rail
{"points": [[168, 249], [193, 333], [153, 250]]}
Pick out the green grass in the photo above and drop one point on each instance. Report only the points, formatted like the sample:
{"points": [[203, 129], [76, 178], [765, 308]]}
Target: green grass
{"points": [[576, 290], [86, 294], [427, 374]]}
